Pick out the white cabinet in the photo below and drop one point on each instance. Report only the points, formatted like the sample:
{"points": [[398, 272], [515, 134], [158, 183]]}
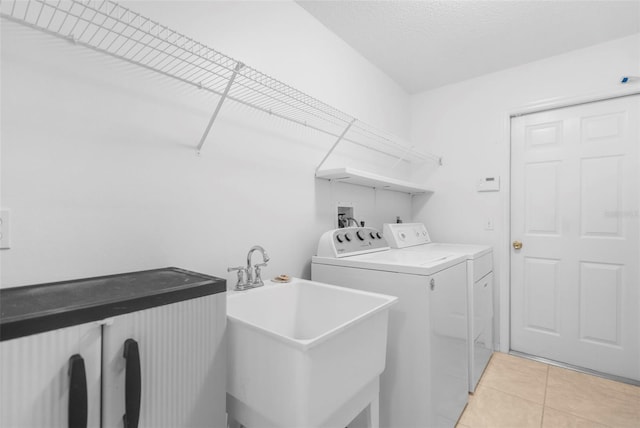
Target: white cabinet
{"points": [[182, 364], [174, 373], [34, 382]]}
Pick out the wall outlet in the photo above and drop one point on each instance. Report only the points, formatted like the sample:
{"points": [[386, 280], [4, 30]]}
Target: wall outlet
{"points": [[5, 229]]}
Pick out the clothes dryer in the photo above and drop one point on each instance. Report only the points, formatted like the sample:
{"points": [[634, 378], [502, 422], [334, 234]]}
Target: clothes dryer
{"points": [[425, 380], [414, 237]]}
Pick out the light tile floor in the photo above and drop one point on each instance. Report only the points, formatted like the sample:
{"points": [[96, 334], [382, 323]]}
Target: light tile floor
{"points": [[516, 392]]}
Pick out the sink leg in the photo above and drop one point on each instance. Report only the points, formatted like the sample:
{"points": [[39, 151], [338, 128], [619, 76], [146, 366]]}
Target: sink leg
{"points": [[373, 413], [232, 423]]}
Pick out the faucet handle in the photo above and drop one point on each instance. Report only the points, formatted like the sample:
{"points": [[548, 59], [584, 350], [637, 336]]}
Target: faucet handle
{"points": [[257, 278], [241, 272]]}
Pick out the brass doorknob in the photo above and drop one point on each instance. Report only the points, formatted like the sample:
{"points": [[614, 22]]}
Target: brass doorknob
{"points": [[517, 245]]}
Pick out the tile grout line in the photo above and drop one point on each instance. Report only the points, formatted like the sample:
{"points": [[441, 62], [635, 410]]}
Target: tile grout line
{"points": [[545, 406], [544, 400], [569, 412], [514, 396], [517, 367], [542, 404]]}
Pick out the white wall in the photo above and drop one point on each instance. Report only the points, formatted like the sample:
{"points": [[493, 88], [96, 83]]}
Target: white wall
{"points": [[99, 166], [467, 123]]}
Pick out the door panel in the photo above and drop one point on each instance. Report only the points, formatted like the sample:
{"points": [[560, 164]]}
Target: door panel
{"points": [[541, 294], [182, 364], [34, 377], [541, 185], [600, 301], [600, 190], [574, 207]]}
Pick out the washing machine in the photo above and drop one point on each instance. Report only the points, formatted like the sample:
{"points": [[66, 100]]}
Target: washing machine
{"points": [[414, 237], [425, 381]]}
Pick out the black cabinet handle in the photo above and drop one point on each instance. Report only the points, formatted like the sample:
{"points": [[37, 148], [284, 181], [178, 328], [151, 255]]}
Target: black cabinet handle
{"points": [[77, 392], [133, 384]]}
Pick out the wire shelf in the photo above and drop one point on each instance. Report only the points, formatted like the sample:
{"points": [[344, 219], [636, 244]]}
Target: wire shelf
{"points": [[107, 27]]}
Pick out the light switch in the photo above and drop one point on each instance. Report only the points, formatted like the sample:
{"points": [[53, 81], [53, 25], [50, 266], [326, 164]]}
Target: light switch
{"points": [[5, 229], [488, 224], [489, 184]]}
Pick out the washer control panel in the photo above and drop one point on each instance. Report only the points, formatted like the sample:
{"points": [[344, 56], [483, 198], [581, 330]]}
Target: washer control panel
{"points": [[402, 235], [350, 241]]}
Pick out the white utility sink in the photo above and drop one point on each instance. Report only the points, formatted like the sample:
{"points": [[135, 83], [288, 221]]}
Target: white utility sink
{"points": [[304, 354]]}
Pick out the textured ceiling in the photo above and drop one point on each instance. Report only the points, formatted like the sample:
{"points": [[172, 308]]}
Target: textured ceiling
{"points": [[425, 44]]}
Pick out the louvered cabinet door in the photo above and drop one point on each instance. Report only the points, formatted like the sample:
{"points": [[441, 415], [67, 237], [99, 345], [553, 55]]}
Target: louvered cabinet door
{"points": [[51, 379], [165, 366]]}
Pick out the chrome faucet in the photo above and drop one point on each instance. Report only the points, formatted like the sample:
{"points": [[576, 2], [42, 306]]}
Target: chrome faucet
{"points": [[249, 276], [253, 278], [352, 220]]}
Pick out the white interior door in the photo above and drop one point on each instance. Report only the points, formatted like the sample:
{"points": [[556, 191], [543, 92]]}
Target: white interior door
{"points": [[574, 208]]}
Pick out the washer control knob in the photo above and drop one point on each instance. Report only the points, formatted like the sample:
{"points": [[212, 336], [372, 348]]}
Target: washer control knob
{"points": [[372, 235], [339, 238], [347, 236], [360, 235], [378, 235]]}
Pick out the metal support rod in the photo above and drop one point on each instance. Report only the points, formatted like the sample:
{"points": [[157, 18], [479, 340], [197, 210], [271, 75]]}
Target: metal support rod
{"points": [[340, 137], [239, 66], [400, 159]]}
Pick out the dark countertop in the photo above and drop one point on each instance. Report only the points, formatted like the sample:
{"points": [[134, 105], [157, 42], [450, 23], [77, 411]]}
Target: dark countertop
{"points": [[44, 307]]}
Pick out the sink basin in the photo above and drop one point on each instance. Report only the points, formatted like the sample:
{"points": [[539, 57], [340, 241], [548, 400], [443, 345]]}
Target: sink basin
{"points": [[299, 351]]}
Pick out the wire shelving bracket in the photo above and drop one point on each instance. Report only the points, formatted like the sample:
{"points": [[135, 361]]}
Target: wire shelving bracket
{"points": [[107, 27], [340, 138], [224, 96]]}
